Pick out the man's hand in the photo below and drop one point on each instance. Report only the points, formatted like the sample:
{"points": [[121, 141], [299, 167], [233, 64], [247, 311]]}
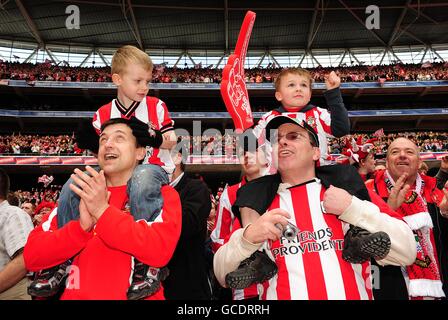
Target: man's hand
{"points": [[265, 227], [336, 200], [332, 80], [12, 273], [444, 205], [85, 218], [444, 164], [398, 192], [92, 189], [37, 219]]}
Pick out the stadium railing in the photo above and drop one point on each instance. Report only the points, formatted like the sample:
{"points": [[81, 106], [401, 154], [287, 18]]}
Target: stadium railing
{"points": [[215, 86], [8, 160]]}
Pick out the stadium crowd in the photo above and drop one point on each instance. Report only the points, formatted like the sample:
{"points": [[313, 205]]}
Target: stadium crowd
{"points": [[38, 144], [217, 144], [428, 141], [99, 228], [38, 194], [161, 74]]}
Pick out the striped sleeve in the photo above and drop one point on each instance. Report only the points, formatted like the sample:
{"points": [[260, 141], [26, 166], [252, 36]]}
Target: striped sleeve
{"points": [[324, 119], [96, 122], [223, 221], [164, 121], [259, 129], [101, 115]]}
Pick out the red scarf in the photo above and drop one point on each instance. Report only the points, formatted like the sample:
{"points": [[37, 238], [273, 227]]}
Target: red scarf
{"points": [[423, 275]]}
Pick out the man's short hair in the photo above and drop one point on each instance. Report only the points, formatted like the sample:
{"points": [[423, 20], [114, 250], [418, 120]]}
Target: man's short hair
{"points": [[4, 184], [13, 199], [33, 206], [296, 71], [126, 122], [130, 55]]}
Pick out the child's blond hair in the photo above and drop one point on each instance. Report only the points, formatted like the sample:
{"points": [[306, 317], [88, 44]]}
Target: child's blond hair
{"points": [[127, 55], [296, 71]]}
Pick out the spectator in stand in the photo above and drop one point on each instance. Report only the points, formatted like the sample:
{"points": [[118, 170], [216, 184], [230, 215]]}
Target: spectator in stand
{"points": [[360, 155], [15, 226], [42, 209], [106, 236], [311, 274], [13, 199], [417, 198], [423, 168], [188, 278], [131, 70], [212, 215], [28, 207], [64, 144], [380, 73], [253, 166]]}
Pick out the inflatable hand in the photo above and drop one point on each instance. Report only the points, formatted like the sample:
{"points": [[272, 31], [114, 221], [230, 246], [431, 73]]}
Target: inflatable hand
{"points": [[233, 85]]}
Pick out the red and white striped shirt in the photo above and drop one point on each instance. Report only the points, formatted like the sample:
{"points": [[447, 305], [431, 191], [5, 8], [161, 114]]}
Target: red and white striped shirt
{"points": [[311, 266], [152, 111], [318, 118], [225, 224], [225, 218]]}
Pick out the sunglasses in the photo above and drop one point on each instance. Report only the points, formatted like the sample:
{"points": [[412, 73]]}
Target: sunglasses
{"points": [[292, 136]]}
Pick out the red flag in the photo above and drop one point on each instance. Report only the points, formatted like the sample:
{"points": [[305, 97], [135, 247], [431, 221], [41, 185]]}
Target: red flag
{"points": [[46, 180], [379, 133], [233, 85]]}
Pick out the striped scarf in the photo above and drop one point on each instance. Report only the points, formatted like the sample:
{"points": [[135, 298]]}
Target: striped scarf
{"points": [[423, 276]]}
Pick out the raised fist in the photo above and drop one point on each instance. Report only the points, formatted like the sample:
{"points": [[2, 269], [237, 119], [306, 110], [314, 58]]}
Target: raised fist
{"points": [[336, 200], [332, 80]]}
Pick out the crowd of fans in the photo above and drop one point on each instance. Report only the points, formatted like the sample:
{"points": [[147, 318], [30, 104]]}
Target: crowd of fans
{"points": [[48, 71], [37, 202], [428, 141], [46, 196], [43, 199], [210, 144], [38, 145], [39, 194]]}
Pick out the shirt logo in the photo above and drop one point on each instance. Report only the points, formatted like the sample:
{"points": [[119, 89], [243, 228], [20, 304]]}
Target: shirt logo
{"points": [[308, 242]]}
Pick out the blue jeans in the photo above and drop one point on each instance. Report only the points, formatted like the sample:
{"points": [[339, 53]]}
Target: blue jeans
{"points": [[143, 190]]}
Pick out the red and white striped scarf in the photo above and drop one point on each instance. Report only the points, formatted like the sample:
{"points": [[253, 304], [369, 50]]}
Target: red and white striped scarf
{"points": [[424, 276]]}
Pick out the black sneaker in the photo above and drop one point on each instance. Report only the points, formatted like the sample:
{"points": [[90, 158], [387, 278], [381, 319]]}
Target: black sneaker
{"points": [[48, 282], [146, 280], [255, 269], [360, 245]]}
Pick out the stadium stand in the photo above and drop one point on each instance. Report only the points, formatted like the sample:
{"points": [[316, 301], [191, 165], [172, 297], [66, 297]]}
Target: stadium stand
{"points": [[394, 77]]}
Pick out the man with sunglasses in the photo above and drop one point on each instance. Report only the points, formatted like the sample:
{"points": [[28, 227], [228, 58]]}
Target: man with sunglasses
{"points": [[310, 265]]}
